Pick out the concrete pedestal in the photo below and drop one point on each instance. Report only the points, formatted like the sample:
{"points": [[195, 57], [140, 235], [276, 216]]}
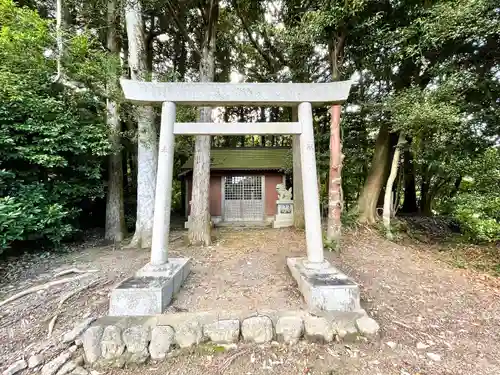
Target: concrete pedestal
{"points": [[284, 214], [151, 290], [325, 288]]}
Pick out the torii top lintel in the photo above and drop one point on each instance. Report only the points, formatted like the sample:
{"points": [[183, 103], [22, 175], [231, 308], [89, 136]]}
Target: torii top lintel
{"points": [[222, 94]]}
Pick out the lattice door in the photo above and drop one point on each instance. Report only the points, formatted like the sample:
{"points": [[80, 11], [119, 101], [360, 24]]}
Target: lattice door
{"points": [[243, 198]]}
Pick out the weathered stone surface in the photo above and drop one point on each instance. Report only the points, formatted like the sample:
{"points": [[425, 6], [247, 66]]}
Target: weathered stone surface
{"points": [[346, 331], [326, 289], [66, 368], [433, 357], [79, 361], [289, 329], [391, 344], [177, 269], [35, 360], [217, 94], [136, 340], [188, 334], [422, 346], [257, 329], [141, 295], [151, 290], [367, 326], [318, 329], [77, 330], [79, 371], [162, 338], [92, 343], [15, 367], [51, 368], [223, 331], [284, 208], [112, 347]]}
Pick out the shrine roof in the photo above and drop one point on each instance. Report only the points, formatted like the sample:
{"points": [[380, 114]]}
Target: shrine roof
{"points": [[246, 158]]}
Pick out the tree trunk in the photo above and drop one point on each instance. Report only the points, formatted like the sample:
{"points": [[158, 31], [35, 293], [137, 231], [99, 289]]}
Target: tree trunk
{"points": [[393, 141], [367, 203], [426, 203], [431, 190], [424, 206], [262, 119], [59, 38], [115, 228], [126, 181], [147, 141], [387, 213], [334, 224], [298, 198], [456, 187], [182, 61], [410, 191], [131, 144], [200, 226]]}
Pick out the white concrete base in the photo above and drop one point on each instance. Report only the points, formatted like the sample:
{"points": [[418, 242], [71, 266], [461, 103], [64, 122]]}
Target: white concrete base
{"points": [[217, 221], [151, 290], [176, 268], [325, 287], [280, 223], [284, 214]]}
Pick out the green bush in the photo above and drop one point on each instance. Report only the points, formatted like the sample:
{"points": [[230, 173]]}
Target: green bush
{"points": [[52, 137], [478, 216], [32, 216], [476, 205]]}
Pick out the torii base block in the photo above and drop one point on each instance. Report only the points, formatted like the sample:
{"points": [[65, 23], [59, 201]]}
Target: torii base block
{"points": [[151, 290], [325, 288]]}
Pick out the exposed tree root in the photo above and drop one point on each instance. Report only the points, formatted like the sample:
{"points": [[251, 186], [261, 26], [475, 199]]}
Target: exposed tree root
{"points": [[75, 292], [41, 287], [52, 323], [230, 359], [64, 299], [72, 270]]}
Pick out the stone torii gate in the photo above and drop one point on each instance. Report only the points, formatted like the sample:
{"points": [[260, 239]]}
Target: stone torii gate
{"points": [[162, 277]]}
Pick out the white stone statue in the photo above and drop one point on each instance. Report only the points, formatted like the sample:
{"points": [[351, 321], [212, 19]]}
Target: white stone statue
{"points": [[283, 193]]}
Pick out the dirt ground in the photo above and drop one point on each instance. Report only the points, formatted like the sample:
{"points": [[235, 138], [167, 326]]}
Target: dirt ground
{"points": [[241, 271], [435, 319]]}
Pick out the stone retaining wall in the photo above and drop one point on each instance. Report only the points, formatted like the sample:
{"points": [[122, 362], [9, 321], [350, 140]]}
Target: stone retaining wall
{"points": [[118, 341]]}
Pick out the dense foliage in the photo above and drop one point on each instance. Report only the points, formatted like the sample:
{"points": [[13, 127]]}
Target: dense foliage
{"points": [[52, 138], [476, 203], [426, 69]]}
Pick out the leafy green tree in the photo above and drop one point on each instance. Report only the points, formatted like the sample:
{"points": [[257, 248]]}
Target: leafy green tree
{"points": [[475, 202], [52, 138]]}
